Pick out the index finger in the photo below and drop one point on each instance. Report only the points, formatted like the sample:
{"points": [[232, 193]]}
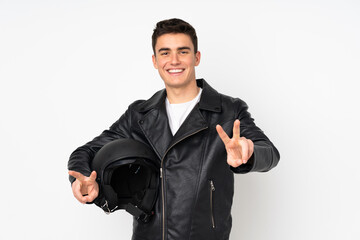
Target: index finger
{"points": [[77, 175], [222, 134]]}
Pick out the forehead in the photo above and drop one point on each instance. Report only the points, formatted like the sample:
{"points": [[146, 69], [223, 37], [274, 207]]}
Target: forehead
{"points": [[174, 41]]}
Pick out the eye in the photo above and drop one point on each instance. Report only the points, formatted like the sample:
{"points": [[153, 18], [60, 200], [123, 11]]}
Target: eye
{"points": [[184, 52], [164, 53]]}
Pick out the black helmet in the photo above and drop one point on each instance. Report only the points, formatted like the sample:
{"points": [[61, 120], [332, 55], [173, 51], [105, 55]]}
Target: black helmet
{"points": [[128, 176]]}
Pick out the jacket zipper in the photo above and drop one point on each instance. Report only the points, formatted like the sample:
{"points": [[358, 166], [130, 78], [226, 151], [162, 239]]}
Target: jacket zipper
{"points": [[163, 180], [212, 189]]}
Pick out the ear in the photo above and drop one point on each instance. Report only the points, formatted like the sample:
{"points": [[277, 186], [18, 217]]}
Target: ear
{"points": [[154, 61], [197, 58]]}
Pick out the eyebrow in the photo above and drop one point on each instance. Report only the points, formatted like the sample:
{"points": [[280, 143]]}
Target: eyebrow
{"points": [[179, 48]]}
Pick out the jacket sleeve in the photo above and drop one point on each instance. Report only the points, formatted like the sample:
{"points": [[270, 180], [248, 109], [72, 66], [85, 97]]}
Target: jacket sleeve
{"points": [[80, 159], [265, 156]]}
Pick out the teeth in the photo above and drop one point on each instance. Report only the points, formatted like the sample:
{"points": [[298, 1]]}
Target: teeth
{"points": [[175, 70]]}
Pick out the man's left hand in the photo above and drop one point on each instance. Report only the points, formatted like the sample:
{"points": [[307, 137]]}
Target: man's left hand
{"points": [[239, 149]]}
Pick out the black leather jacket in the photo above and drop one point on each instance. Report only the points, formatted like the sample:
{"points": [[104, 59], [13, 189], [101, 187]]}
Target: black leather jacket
{"points": [[197, 184]]}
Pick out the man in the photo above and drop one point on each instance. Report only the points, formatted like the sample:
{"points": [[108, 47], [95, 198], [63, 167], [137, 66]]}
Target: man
{"points": [[201, 138]]}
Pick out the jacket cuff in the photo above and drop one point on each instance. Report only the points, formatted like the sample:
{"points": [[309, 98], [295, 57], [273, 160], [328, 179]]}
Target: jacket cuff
{"points": [[264, 158]]}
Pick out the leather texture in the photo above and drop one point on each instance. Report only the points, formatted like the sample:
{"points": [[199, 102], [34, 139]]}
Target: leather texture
{"points": [[196, 193]]}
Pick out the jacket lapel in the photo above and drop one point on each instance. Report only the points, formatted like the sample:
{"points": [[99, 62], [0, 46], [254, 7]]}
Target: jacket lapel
{"points": [[155, 124], [193, 124]]}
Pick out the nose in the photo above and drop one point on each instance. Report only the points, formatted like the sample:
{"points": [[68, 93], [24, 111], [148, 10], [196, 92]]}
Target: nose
{"points": [[175, 59]]}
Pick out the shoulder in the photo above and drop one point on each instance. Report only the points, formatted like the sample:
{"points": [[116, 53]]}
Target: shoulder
{"points": [[212, 97], [236, 108], [235, 103], [145, 105]]}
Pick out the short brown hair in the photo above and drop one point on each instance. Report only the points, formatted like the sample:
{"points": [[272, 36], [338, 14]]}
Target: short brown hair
{"points": [[174, 25]]}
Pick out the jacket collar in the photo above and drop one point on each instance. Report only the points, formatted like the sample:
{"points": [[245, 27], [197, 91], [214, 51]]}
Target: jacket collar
{"points": [[210, 99], [155, 124]]}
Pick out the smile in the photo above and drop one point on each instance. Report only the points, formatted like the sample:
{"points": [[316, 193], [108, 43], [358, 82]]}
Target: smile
{"points": [[175, 70]]}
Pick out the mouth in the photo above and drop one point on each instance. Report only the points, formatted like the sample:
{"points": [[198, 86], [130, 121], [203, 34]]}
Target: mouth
{"points": [[175, 70]]}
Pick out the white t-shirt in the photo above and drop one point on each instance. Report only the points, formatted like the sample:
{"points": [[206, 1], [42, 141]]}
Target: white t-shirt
{"points": [[177, 113]]}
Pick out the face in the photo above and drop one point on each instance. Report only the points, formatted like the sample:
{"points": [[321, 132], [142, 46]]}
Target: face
{"points": [[175, 60]]}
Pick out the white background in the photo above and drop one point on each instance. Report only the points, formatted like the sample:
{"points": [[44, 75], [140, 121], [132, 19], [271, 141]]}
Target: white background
{"points": [[69, 69]]}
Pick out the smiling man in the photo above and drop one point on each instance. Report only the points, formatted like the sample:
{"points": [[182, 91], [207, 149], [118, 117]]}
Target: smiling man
{"points": [[201, 138]]}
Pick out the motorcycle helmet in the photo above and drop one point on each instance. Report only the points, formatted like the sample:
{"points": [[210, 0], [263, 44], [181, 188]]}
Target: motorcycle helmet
{"points": [[128, 176]]}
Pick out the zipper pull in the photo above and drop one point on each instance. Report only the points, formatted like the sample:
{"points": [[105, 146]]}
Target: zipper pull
{"points": [[160, 172], [212, 186]]}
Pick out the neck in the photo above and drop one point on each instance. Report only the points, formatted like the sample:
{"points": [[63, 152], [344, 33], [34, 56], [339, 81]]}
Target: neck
{"points": [[181, 95]]}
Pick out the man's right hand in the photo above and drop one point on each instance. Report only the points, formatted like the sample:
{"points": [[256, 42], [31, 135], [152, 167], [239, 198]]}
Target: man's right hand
{"points": [[85, 189]]}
